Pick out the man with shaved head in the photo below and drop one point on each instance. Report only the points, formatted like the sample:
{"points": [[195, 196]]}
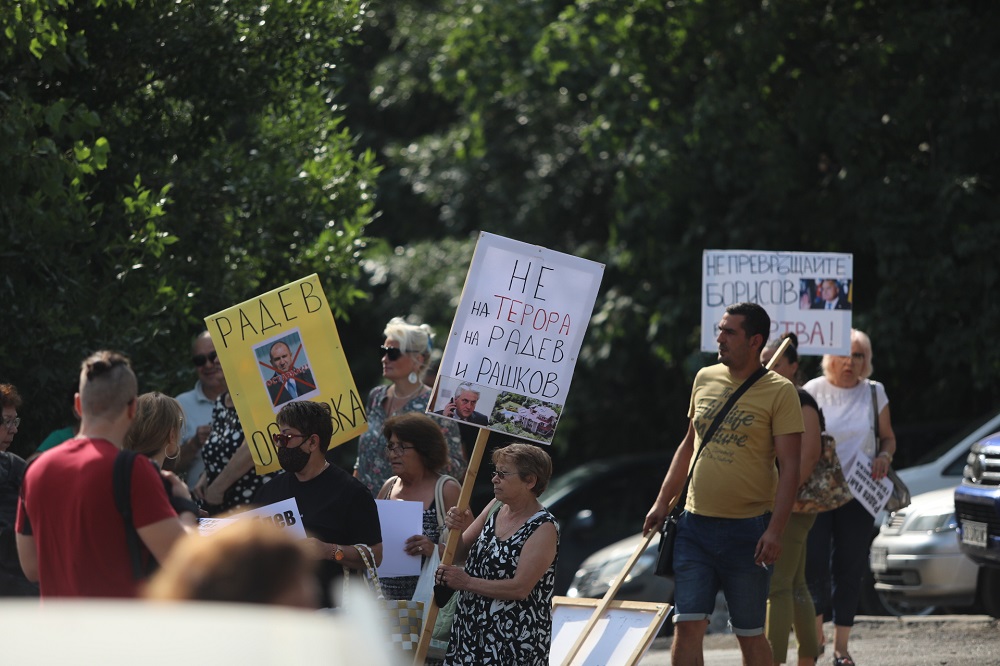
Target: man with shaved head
{"points": [[71, 537]]}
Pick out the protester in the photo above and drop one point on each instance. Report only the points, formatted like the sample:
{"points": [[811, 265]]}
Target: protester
{"points": [[417, 452], [789, 602], [12, 580], [337, 510], [837, 557], [504, 613], [198, 405], [229, 480], [737, 503], [247, 562], [405, 354], [155, 433], [70, 535]]}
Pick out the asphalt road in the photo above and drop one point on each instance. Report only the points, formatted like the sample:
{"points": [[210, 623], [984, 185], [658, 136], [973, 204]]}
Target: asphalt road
{"points": [[935, 640]]}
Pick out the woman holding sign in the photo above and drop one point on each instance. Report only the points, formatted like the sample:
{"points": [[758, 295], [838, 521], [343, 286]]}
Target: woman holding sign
{"points": [[504, 613], [405, 355], [839, 540], [417, 452]]}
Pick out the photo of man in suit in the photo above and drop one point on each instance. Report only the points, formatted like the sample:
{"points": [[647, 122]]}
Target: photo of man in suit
{"points": [[288, 382], [831, 297]]}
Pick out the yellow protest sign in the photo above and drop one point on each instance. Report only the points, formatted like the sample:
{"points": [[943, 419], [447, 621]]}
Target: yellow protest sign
{"points": [[284, 346]]}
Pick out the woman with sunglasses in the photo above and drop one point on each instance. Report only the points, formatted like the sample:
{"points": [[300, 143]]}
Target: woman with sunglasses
{"points": [[417, 453], [405, 354], [504, 613]]}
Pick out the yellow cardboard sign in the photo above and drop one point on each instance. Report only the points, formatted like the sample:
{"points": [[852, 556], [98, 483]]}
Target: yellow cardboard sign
{"points": [[284, 346]]}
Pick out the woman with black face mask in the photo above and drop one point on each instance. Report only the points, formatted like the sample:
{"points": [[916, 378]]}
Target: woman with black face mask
{"points": [[336, 509]]}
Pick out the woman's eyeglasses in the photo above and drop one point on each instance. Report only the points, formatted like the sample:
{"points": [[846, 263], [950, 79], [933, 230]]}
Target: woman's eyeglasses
{"points": [[12, 422], [397, 448], [281, 439], [503, 475], [201, 359]]}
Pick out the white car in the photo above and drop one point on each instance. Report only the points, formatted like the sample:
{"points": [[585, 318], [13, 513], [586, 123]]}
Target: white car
{"points": [[917, 562]]}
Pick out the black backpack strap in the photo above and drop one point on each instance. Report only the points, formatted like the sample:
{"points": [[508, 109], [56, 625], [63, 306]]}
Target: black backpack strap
{"points": [[122, 482]]}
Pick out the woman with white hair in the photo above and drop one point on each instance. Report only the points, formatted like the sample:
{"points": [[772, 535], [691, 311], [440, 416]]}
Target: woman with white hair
{"points": [[406, 353], [837, 550]]}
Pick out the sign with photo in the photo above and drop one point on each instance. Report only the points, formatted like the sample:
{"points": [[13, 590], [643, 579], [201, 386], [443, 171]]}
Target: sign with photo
{"points": [[280, 347], [517, 333], [805, 293]]}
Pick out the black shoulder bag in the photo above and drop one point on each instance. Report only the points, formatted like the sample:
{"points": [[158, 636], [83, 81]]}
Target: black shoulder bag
{"points": [[665, 554]]}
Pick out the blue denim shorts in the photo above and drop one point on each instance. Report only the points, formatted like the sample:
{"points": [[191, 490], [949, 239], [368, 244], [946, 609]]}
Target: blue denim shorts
{"points": [[718, 553]]}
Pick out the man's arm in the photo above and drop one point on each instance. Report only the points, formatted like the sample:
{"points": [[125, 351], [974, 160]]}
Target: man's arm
{"points": [[161, 536], [28, 555], [673, 482], [787, 450]]}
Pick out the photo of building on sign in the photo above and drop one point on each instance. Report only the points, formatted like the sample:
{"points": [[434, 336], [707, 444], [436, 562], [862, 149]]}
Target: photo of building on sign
{"points": [[522, 416]]}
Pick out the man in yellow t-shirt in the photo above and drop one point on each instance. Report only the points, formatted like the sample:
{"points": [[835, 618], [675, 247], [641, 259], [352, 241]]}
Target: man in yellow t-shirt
{"points": [[738, 502]]}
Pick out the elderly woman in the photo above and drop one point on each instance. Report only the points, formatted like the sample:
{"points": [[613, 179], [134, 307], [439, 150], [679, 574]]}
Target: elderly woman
{"points": [[417, 453], [839, 540], [789, 602], [504, 613], [405, 355]]}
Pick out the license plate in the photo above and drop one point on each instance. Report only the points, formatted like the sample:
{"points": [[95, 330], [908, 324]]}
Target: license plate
{"points": [[974, 533], [879, 558]]}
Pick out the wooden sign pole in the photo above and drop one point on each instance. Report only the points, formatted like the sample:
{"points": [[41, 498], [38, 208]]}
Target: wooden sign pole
{"points": [[452, 543], [617, 582]]}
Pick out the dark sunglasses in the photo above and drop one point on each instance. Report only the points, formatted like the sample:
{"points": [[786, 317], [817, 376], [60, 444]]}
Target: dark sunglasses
{"points": [[201, 359], [281, 440], [394, 353]]}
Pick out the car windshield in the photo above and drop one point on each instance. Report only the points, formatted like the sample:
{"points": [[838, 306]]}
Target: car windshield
{"points": [[939, 450]]}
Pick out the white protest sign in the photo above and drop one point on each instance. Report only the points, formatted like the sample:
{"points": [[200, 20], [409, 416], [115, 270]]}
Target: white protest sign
{"points": [[399, 521], [807, 293], [516, 336], [872, 494], [284, 514]]}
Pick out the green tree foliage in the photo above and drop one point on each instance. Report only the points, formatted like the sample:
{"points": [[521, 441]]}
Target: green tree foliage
{"points": [[640, 133], [163, 160]]}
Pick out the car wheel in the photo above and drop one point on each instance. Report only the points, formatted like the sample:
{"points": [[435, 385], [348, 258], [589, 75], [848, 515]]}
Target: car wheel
{"points": [[989, 590]]}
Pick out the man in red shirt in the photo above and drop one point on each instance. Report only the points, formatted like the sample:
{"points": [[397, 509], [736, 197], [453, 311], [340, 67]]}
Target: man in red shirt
{"points": [[70, 535]]}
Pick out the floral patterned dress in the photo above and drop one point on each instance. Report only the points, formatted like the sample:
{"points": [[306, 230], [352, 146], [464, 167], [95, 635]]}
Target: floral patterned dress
{"points": [[500, 631], [225, 438], [373, 465]]}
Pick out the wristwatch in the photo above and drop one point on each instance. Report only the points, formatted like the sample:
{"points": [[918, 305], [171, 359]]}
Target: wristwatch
{"points": [[338, 553]]}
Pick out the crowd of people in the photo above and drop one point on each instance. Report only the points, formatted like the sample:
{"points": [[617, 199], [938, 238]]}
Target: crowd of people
{"points": [[125, 491]]}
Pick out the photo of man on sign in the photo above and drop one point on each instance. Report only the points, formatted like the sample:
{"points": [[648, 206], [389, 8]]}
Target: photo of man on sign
{"points": [[284, 367]]}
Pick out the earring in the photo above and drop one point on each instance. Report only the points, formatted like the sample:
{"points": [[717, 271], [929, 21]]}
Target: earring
{"points": [[177, 452], [412, 377]]}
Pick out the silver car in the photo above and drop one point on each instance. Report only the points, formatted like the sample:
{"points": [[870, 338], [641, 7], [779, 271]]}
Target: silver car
{"points": [[916, 560]]}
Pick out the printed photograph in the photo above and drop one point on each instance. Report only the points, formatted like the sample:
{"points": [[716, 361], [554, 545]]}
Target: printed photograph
{"points": [[522, 416], [465, 401], [825, 294], [285, 370]]}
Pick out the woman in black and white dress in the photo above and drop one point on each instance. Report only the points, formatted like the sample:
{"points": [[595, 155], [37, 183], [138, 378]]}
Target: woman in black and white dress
{"points": [[504, 613]]}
